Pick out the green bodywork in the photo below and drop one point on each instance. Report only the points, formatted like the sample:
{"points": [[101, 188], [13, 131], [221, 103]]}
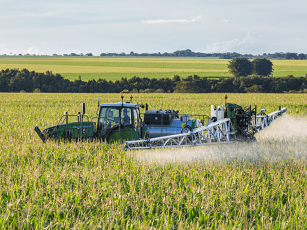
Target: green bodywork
{"points": [[58, 132], [74, 129], [126, 134], [231, 108], [231, 112], [193, 123]]}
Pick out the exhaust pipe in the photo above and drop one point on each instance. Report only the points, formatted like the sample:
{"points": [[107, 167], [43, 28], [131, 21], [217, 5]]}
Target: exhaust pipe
{"points": [[39, 133]]}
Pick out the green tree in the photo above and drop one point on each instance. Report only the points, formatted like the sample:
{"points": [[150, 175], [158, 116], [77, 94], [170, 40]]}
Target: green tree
{"points": [[291, 56], [302, 57], [37, 90], [254, 89], [186, 87], [176, 78], [240, 67], [262, 66]]}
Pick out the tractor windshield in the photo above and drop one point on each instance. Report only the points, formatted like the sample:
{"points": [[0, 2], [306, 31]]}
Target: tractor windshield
{"points": [[109, 117]]}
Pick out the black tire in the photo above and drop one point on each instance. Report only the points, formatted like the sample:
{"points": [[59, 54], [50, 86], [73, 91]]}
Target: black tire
{"points": [[69, 135]]}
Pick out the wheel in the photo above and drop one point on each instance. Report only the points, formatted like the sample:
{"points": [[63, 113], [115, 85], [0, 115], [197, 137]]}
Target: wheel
{"points": [[68, 135]]}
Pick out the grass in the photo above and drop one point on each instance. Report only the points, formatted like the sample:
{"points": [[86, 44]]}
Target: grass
{"points": [[97, 186], [114, 68]]}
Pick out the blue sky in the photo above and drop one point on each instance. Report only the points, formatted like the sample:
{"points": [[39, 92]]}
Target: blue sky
{"points": [[47, 27]]}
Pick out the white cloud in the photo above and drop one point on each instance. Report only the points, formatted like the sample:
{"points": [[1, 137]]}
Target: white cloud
{"points": [[250, 42], [166, 21], [3, 44], [33, 50], [193, 19], [224, 20], [197, 18]]}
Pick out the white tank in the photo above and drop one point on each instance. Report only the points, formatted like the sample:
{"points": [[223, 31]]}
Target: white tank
{"points": [[218, 113]]}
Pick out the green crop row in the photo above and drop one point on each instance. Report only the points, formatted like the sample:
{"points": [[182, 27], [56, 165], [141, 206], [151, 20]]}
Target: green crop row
{"points": [[91, 185]]}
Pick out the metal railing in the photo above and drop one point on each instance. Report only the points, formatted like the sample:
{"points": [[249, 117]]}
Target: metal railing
{"points": [[217, 132], [264, 121], [81, 129]]}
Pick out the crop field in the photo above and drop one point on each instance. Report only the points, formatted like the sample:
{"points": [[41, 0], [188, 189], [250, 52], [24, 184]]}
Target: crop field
{"points": [[56, 185], [115, 68]]}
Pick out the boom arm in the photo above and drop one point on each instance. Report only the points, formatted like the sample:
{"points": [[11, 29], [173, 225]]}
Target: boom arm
{"points": [[221, 131]]}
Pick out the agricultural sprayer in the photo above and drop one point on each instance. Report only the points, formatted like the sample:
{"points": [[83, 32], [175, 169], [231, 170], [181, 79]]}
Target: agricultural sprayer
{"points": [[123, 121]]}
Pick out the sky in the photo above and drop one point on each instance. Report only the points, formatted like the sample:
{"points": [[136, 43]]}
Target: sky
{"points": [[99, 26]]}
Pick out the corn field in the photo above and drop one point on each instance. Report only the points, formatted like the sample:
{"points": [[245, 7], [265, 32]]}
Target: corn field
{"points": [[89, 185]]}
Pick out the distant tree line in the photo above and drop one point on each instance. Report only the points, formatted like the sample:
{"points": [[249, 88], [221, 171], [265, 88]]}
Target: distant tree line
{"points": [[228, 55], [75, 55], [277, 55], [14, 80], [294, 56], [189, 53], [178, 53]]}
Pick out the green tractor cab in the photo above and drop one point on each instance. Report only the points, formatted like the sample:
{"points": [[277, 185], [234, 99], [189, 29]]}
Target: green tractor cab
{"points": [[119, 121]]}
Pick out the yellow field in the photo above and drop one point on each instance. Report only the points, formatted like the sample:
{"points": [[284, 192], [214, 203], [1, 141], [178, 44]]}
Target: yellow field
{"points": [[115, 68], [101, 69]]}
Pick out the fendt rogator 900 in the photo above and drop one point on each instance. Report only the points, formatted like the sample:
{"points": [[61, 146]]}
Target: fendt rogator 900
{"points": [[162, 128]]}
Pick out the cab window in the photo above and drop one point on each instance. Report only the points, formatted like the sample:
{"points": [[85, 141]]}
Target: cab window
{"points": [[126, 118], [109, 117]]}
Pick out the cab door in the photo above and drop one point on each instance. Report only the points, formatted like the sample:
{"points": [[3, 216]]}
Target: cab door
{"points": [[129, 126], [136, 124]]}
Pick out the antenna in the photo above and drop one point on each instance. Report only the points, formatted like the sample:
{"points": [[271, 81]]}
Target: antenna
{"points": [[122, 97]]}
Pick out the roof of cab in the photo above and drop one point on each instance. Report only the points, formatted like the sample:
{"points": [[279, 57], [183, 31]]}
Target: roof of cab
{"points": [[119, 104]]}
